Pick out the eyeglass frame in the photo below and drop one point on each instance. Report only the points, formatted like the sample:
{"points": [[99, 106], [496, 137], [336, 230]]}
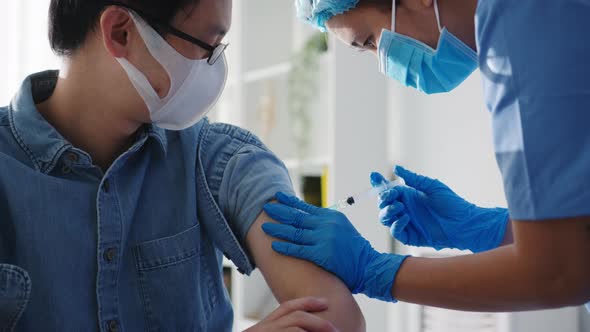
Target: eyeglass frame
{"points": [[215, 51]]}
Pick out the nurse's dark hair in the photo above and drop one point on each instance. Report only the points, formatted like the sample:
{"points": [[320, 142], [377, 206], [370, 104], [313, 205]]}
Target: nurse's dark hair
{"points": [[70, 21]]}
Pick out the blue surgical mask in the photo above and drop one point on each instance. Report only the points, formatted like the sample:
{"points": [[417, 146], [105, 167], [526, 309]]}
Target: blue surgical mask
{"points": [[417, 65]]}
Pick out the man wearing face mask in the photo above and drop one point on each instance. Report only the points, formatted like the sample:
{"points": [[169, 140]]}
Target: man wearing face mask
{"points": [[533, 255], [118, 199]]}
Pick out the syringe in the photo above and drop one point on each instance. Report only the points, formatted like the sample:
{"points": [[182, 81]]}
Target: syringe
{"points": [[369, 193]]}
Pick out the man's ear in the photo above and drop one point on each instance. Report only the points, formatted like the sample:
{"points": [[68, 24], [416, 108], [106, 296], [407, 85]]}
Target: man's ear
{"points": [[115, 25]]}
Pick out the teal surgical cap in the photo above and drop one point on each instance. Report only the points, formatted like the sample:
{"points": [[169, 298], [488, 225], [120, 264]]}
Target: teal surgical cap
{"points": [[318, 12]]}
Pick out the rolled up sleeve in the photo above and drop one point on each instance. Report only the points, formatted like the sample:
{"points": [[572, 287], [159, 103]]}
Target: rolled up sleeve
{"points": [[251, 178]]}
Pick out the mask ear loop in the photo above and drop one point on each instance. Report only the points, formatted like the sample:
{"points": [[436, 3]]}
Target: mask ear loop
{"points": [[393, 12], [437, 15]]}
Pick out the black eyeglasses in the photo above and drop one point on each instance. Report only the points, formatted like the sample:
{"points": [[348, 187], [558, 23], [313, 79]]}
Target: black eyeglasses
{"points": [[215, 52]]}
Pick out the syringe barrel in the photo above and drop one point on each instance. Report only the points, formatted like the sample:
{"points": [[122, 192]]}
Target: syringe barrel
{"points": [[375, 191], [372, 192], [397, 182]]}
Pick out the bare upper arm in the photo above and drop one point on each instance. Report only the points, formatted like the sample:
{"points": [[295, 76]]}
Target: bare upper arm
{"points": [[557, 251], [290, 278]]}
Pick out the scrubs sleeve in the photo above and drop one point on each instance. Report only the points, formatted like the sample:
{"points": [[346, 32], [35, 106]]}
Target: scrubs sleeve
{"points": [[251, 179], [533, 56]]}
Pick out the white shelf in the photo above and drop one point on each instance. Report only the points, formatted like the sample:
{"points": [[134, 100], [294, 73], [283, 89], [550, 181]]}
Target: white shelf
{"points": [[261, 74], [267, 73], [317, 162]]}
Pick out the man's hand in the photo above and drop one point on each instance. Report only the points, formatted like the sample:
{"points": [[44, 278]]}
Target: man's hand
{"points": [[296, 316]]}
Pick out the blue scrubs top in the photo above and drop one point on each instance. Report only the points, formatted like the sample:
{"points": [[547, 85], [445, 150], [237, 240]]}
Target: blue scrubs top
{"points": [[534, 57]]}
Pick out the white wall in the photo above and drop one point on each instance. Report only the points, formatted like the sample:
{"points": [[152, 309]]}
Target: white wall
{"points": [[24, 46], [447, 136], [8, 51]]}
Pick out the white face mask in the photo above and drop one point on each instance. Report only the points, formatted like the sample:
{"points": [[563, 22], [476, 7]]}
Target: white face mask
{"points": [[195, 86]]}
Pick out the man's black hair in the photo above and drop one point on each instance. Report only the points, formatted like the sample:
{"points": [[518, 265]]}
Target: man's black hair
{"points": [[70, 21]]}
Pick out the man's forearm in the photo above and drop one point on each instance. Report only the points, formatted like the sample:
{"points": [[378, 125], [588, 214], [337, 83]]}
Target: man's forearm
{"points": [[290, 278]]}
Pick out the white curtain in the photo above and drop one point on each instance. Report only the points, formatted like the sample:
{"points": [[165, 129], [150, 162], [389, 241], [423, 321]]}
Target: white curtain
{"points": [[24, 46]]}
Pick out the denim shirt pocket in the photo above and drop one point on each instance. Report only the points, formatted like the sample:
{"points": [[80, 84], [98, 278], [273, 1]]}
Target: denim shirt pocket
{"points": [[169, 273], [15, 291]]}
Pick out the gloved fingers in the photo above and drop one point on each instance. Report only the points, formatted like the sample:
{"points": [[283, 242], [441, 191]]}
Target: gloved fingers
{"points": [[288, 215], [419, 236], [416, 181], [388, 197], [410, 177], [391, 213], [288, 233], [377, 179], [399, 229], [407, 194], [294, 250], [384, 219], [296, 203]]}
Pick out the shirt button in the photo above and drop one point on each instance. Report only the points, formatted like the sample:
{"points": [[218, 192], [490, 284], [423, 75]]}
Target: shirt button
{"points": [[66, 169], [110, 254], [106, 186], [113, 326], [72, 157]]}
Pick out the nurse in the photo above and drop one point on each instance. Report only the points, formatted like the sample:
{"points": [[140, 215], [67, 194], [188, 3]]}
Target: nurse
{"points": [[535, 71]]}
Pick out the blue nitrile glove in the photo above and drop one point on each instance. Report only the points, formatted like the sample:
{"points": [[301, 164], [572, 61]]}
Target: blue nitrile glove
{"points": [[427, 213], [328, 239]]}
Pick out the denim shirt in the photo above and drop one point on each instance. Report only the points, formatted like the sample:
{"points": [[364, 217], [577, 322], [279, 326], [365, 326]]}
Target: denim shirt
{"points": [[136, 248]]}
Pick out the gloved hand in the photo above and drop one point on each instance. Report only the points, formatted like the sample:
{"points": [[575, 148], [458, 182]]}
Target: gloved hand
{"points": [[328, 239], [427, 213]]}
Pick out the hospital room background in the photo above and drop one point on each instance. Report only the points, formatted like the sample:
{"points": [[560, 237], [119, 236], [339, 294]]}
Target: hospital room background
{"points": [[321, 107]]}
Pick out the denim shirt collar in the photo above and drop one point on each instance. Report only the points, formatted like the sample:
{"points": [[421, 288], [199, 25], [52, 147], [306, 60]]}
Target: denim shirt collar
{"points": [[38, 138]]}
